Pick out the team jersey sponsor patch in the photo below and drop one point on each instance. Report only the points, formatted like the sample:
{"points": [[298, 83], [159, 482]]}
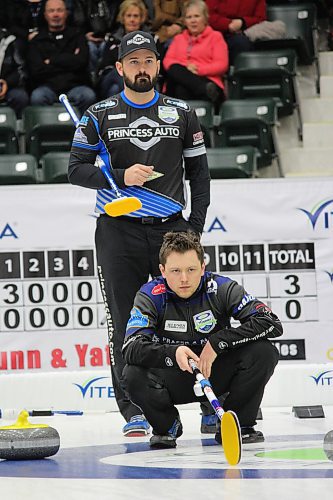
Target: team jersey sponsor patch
{"points": [[120, 116], [245, 300], [198, 138], [100, 106], [175, 102], [204, 322], [84, 121], [175, 326], [80, 137], [158, 289], [168, 114], [212, 286], [144, 133], [137, 319]]}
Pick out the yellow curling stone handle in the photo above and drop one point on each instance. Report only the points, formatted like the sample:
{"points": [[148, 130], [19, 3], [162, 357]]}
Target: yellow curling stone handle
{"points": [[23, 423]]}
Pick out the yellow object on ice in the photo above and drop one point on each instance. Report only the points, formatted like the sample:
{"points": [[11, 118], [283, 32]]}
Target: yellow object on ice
{"points": [[23, 423]]}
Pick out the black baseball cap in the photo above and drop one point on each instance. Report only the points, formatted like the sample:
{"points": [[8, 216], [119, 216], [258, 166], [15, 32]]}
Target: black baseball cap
{"points": [[136, 40]]}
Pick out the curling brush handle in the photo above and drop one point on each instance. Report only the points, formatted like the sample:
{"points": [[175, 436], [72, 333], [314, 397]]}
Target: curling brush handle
{"points": [[64, 100]]}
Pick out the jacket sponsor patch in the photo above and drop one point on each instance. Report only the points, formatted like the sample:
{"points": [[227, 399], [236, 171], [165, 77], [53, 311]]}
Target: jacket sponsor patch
{"points": [[100, 106], [175, 326], [245, 300], [158, 289], [198, 138], [80, 136], [204, 322], [175, 102], [120, 116], [137, 319], [168, 114], [212, 286]]}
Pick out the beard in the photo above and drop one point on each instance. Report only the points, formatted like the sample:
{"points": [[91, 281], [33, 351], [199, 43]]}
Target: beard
{"points": [[142, 82]]}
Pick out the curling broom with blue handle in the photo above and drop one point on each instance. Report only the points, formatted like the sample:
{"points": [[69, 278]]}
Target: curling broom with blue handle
{"points": [[230, 429], [123, 204]]}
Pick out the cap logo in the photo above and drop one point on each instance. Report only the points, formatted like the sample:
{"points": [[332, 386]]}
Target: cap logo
{"points": [[138, 40]]}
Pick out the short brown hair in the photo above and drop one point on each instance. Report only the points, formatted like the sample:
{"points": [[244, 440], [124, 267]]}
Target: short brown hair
{"points": [[181, 243], [126, 4]]}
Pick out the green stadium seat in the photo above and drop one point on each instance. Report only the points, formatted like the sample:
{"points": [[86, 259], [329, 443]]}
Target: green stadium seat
{"points": [[300, 19], [231, 163], [250, 122], [18, 169], [267, 74], [8, 131], [47, 129], [54, 167]]}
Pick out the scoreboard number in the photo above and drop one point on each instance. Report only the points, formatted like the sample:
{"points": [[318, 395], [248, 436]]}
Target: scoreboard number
{"points": [[58, 289]]}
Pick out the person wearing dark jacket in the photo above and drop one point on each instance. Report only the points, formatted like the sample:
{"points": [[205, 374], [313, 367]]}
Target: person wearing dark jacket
{"points": [[12, 74], [185, 313], [96, 19], [58, 61], [232, 17], [25, 18]]}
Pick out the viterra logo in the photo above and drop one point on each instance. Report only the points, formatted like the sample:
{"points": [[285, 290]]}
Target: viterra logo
{"points": [[318, 216], [323, 378], [330, 275], [92, 390]]}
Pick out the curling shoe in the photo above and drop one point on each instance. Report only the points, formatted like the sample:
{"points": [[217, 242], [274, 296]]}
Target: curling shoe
{"points": [[208, 424], [158, 441], [249, 435], [137, 426]]}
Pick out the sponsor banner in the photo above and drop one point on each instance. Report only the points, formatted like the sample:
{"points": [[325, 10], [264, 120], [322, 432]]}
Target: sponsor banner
{"points": [[60, 351], [312, 384], [273, 236]]}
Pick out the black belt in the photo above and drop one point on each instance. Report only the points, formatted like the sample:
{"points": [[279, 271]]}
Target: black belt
{"points": [[151, 220]]}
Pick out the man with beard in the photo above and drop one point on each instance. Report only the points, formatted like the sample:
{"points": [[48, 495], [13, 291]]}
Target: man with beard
{"points": [[58, 58], [149, 142]]}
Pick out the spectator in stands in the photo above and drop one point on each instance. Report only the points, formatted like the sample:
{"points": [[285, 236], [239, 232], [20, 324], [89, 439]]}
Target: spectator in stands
{"points": [[12, 74], [25, 19], [132, 17], [96, 19], [168, 21], [232, 17], [197, 58], [58, 61]]}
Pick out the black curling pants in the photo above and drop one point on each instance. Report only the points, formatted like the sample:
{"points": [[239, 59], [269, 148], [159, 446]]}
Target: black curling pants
{"points": [[242, 372], [127, 253]]}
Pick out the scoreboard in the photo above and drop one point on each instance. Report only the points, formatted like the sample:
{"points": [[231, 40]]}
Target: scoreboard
{"points": [[58, 289], [281, 274], [275, 237], [49, 290]]}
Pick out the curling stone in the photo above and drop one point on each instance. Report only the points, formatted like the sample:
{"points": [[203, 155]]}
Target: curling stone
{"points": [[328, 445], [26, 441]]}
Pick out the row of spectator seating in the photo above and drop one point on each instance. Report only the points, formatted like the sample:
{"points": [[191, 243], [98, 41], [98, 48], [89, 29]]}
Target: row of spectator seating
{"points": [[245, 122], [238, 162], [261, 88]]}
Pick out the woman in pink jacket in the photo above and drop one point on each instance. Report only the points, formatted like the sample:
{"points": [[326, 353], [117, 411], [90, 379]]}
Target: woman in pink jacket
{"points": [[197, 58]]}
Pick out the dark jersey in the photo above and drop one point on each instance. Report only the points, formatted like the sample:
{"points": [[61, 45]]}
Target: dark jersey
{"points": [[161, 321], [162, 133]]}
